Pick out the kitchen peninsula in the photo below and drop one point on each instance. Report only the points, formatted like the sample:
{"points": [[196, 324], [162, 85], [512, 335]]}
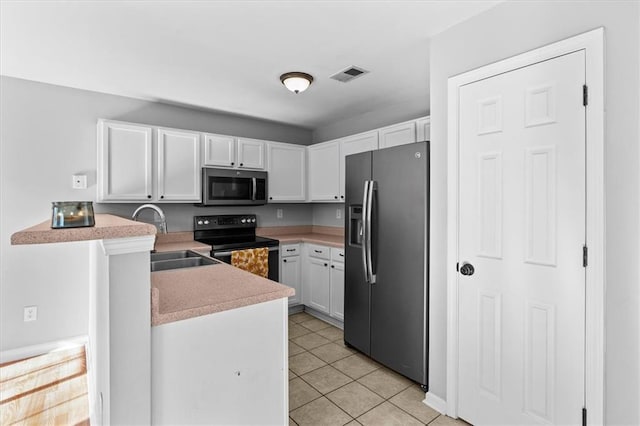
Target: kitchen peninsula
{"points": [[197, 315]]}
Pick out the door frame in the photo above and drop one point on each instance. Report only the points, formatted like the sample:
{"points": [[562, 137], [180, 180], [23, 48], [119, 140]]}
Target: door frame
{"points": [[592, 42]]}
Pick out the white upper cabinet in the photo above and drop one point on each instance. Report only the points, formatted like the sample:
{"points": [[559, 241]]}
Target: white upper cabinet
{"points": [[250, 154], [124, 162], [287, 172], [424, 129], [135, 167], [230, 151], [178, 165], [355, 144], [398, 134], [219, 150], [324, 171]]}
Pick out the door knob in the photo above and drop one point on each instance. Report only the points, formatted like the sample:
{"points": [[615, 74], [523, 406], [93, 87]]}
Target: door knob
{"points": [[467, 269]]}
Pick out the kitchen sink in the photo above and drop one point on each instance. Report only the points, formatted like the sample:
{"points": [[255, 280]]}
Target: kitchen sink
{"points": [[179, 259], [171, 255]]}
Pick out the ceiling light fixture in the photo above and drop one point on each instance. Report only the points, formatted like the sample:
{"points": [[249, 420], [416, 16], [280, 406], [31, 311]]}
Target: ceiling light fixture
{"points": [[296, 81]]}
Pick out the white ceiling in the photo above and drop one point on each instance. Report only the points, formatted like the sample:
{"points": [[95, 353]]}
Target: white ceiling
{"points": [[228, 55]]}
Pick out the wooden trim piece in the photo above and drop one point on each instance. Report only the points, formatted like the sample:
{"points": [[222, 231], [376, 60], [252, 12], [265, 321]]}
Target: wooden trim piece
{"points": [[128, 245], [435, 402], [592, 43]]}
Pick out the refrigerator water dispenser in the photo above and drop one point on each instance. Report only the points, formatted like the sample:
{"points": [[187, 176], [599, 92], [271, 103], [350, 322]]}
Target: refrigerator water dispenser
{"points": [[355, 225]]}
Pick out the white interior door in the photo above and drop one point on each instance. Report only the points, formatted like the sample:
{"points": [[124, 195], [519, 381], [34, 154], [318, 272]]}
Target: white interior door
{"points": [[522, 228]]}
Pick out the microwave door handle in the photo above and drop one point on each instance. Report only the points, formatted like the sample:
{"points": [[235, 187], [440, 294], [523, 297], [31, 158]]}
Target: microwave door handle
{"points": [[253, 182], [363, 244]]}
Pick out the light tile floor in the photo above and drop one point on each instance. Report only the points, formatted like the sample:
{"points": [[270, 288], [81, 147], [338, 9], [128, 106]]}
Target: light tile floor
{"points": [[330, 384]]}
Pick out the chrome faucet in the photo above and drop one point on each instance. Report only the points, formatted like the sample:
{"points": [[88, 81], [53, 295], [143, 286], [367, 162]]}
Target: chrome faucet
{"points": [[163, 219]]}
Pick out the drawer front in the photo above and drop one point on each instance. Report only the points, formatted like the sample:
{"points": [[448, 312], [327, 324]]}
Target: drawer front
{"points": [[290, 250], [320, 252], [337, 254]]}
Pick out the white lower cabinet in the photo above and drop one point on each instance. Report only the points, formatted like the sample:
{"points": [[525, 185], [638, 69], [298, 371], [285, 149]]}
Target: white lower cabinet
{"points": [[225, 368], [322, 279], [337, 284], [318, 285], [291, 271]]}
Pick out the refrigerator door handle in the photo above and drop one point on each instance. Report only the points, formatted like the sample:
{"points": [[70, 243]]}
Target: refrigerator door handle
{"points": [[371, 275], [365, 264]]}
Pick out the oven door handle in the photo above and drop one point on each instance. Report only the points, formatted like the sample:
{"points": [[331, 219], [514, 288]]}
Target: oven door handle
{"points": [[228, 253]]}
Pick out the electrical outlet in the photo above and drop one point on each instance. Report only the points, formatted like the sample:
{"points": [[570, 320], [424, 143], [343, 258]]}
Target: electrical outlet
{"points": [[338, 214], [279, 213], [30, 313], [79, 182]]}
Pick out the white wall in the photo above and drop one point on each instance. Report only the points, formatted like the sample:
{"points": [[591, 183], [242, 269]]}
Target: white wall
{"points": [[47, 134], [506, 30], [325, 215], [413, 108]]}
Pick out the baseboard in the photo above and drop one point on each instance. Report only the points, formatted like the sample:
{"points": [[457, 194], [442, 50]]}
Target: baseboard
{"points": [[435, 402], [295, 309], [324, 317], [42, 348]]}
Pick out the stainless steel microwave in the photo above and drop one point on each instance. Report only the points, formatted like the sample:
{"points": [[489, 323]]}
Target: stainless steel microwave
{"points": [[231, 187]]}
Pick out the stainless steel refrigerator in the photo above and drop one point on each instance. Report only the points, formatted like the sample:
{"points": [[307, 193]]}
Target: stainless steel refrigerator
{"points": [[386, 309]]}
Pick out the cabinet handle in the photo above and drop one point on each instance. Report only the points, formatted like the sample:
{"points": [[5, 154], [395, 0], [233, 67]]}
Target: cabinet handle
{"points": [[291, 249], [326, 264], [318, 251], [149, 196], [232, 163], [335, 197], [341, 254], [284, 260], [333, 266], [342, 196], [271, 198], [162, 197], [241, 164]]}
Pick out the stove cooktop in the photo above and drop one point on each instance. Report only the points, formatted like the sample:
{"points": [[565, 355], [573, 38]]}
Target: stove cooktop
{"points": [[227, 243]]}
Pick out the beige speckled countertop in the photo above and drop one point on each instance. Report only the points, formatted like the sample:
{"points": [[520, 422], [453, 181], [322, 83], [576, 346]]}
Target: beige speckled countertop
{"points": [[325, 235], [174, 241], [186, 293], [107, 227], [180, 294]]}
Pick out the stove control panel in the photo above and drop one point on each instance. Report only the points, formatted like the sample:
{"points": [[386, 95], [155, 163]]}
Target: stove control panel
{"points": [[224, 221]]}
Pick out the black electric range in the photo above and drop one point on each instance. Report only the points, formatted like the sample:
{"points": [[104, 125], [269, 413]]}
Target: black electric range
{"points": [[226, 233]]}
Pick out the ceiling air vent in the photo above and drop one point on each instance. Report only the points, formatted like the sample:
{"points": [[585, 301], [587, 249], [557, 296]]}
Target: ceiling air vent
{"points": [[349, 74]]}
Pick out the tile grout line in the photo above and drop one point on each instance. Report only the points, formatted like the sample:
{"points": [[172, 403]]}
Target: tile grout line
{"points": [[352, 380]]}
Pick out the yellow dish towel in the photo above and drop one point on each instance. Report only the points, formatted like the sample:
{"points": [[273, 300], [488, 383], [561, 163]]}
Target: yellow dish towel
{"points": [[254, 260]]}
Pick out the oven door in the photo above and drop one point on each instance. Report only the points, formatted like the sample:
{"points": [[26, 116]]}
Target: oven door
{"points": [[274, 261], [222, 187]]}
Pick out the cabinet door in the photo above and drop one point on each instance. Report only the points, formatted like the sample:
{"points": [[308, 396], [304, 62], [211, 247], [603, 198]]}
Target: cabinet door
{"points": [[250, 154], [219, 150], [125, 162], [399, 134], [337, 290], [287, 172], [178, 165], [291, 275], [324, 172], [317, 291], [424, 129], [353, 145]]}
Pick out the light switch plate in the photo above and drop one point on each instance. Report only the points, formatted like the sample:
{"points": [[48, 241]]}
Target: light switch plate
{"points": [[338, 214], [79, 182], [279, 213]]}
